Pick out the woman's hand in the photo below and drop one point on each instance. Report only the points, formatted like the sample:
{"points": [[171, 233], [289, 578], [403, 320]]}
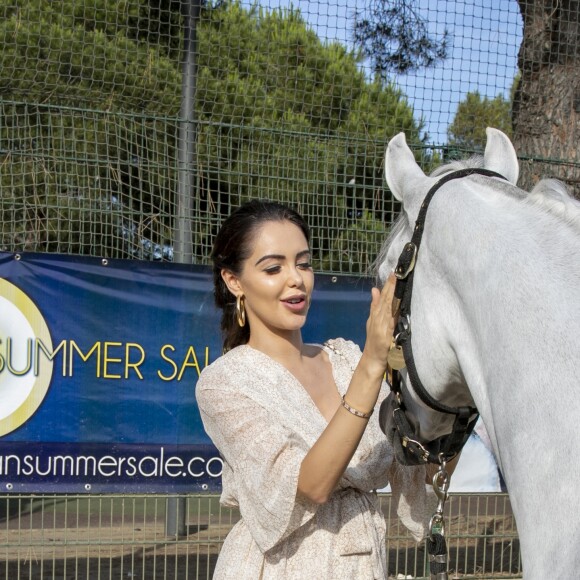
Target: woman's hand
{"points": [[380, 326]]}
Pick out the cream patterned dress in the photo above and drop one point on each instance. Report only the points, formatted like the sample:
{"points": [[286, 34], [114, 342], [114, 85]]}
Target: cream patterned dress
{"points": [[263, 422]]}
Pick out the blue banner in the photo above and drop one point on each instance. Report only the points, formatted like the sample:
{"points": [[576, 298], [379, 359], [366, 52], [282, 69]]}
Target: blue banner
{"points": [[98, 365]]}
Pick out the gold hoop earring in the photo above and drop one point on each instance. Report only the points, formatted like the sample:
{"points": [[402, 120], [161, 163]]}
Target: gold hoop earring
{"points": [[241, 310]]}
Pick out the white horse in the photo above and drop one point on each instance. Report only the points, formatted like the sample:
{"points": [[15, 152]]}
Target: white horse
{"points": [[496, 324]]}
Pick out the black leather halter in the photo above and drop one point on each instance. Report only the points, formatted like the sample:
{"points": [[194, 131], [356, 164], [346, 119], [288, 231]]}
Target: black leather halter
{"points": [[393, 420]]}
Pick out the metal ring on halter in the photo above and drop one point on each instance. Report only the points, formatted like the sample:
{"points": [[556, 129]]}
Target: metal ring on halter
{"points": [[436, 525], [406, 440]]}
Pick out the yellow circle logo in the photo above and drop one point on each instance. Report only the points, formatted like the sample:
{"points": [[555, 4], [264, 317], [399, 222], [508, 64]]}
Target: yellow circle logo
{"points": [[22, 385]]}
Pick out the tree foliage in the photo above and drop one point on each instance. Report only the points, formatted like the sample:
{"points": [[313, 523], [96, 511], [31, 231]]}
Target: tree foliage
{"points": [[89, 115], [395, 37], [474, 115]]}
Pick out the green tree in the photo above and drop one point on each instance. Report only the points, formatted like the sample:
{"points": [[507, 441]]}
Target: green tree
{"points": [[299, 121], [474, 115], [90, 118], [349, 251], [83, 154]]}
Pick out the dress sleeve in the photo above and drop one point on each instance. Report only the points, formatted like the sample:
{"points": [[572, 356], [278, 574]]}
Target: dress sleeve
{"points": [[264, 455]]}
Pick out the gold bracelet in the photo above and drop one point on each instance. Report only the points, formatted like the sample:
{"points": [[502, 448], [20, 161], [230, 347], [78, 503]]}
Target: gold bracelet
{"points": [[355, 411]]}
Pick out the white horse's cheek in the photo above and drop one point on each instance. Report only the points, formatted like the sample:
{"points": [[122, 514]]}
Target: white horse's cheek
{"points": [[384, 271], [389, 263]]}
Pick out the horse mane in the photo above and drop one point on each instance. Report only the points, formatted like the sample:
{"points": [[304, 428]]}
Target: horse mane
{"points": [[554, 197], [474, 161], [549, 195], [394, 231]]}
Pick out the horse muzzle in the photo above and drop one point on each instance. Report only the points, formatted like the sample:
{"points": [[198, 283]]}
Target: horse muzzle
{"points": [[394, 423], [409, 449]]}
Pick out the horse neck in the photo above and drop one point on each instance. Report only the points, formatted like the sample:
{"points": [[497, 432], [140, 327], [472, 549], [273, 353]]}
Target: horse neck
{"points": [[500, 298]]}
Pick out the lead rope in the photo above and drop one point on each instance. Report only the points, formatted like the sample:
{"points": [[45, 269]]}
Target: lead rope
{"points": [[436, 545]]}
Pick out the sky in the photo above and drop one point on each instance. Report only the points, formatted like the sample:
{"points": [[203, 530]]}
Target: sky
{"points": [[485, 39]]}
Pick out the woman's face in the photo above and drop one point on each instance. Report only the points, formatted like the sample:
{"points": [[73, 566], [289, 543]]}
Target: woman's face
{"points": [[277, 279]]}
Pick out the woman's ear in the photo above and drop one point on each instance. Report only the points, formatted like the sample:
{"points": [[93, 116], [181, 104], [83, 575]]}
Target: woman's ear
{"points": [[232, 282]]}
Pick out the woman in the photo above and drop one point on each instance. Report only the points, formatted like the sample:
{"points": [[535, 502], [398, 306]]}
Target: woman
{"points": [[292, 420]]}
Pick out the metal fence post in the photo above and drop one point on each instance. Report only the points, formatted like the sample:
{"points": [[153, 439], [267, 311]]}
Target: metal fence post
{"points": [[183, 248], [175, 512]]}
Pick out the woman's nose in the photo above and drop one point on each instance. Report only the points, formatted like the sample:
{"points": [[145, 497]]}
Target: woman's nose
{"points": [[295, 277]]}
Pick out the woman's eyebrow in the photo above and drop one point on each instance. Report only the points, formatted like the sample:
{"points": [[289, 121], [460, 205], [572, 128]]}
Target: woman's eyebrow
{"points": [[271, 256], [281, 256]]}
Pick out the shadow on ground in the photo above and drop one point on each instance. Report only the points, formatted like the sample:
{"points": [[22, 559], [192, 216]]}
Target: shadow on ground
{"points": [[480, 559]]}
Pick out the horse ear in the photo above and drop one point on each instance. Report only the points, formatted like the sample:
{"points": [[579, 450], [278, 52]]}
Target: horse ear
{"points": [[500, 155], [402, 174]]}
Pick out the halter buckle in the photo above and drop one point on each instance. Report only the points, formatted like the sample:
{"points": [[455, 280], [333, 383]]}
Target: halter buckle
{"points": [[418, 448], [406, 262]]}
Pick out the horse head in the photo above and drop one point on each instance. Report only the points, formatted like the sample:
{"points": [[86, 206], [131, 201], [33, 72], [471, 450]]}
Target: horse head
{"points": [[409, 185], [420, 418]]}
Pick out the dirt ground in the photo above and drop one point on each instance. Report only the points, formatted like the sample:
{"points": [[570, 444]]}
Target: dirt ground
{"points": [[69, 544]]}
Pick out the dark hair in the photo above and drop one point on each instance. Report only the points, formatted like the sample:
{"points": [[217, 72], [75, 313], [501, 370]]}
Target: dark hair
{"points": [[232, 246]]}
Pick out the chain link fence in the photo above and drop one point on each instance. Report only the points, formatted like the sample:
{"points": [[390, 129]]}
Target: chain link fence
{"points": [[129, 129]]}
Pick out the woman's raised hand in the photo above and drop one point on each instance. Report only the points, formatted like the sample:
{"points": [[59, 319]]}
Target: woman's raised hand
{"points": [[380, 326]]}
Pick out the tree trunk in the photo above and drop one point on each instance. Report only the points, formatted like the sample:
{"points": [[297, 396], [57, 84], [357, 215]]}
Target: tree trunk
{"points": [[546, 110]]}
